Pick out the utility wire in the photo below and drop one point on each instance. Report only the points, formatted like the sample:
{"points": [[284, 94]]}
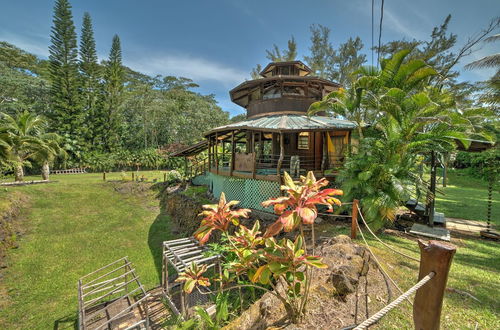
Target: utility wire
{"points": [[380, 32], [373, 6]]}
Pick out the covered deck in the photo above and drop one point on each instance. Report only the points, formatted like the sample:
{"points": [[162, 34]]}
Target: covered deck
{"points": [[265, 147]]}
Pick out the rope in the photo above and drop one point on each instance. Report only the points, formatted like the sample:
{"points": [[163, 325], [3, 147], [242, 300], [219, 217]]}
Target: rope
{"points": [[386, 245], [380, 265], [377, 316]]}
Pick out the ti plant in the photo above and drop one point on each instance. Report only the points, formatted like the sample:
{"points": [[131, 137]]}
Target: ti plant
{"points": [[281, 267]]}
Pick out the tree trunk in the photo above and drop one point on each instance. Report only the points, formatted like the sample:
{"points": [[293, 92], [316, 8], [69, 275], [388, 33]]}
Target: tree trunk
{"points": [[45, 171], [19, 173]]}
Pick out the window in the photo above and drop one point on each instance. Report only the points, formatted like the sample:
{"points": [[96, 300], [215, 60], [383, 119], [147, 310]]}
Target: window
{"points": [[303, 142]]}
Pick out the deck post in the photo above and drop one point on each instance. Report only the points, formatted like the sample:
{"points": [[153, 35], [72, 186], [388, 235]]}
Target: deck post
{"points": [[233, 144], [223, 151], [282, 155], [185, 167], [209, 152], [354, 218], [217, 153], [254, 170], [435, 256]]}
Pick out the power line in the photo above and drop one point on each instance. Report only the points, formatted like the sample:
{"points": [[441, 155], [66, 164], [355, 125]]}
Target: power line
{"points": [[373, 6], [380, 31]]}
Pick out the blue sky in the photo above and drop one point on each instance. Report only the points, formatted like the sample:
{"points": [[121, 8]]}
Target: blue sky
{"points": [[218, 42]]}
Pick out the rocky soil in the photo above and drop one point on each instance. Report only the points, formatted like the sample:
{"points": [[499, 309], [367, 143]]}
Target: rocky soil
{"points": [[339, 294]]}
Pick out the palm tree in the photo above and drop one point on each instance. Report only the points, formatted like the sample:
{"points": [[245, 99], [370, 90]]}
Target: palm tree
{"points": [[26, 140], [492, 86], [361, 103], [409, 118], [48, 151]]}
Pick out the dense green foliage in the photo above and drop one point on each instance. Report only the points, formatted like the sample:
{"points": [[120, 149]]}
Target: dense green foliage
{"points": [[104, 107], [24, 140], [65, 109], [409, 118], [484, 165]]}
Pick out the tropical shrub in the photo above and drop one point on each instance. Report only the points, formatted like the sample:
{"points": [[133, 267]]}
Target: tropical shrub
{"points": [[173, 176], [24, 141], [281, 267], [408, 120], [481, 165]]}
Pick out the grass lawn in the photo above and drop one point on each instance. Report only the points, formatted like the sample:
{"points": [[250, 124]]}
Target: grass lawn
{"points": [[75, 226], [466, 198], [80, 223], [475, 270]]}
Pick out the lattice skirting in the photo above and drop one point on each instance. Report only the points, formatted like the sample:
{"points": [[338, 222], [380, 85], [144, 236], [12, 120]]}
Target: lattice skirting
{"points": [[250, 192]]}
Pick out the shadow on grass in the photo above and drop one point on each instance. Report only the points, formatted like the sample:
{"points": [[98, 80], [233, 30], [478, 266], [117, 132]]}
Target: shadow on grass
{"points": [[67, 322], [159, 232]]}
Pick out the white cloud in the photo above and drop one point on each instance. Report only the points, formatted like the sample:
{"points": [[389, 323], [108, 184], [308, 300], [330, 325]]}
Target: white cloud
{"points": [[195, 68], [392, 22], [34, 44]]}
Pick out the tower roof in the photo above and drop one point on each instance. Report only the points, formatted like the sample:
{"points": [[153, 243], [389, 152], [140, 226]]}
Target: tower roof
{"points": [[300, 69]]}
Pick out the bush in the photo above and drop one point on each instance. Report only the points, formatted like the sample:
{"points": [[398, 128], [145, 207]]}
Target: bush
{"points": [[479, 164]]}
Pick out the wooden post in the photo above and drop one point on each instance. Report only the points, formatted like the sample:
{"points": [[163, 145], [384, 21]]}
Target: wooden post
{"points": [[164, 177], [254, 170], [431, 194], [133, 176], [185, 166], [233, 153], [217, 153], [104, 176], [354, 218], [282, 155], [436, 256]]}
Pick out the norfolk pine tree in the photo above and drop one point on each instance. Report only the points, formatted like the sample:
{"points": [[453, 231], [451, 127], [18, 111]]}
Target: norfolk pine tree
{"points": [[66, 114], [114, 77], [90, 75]]}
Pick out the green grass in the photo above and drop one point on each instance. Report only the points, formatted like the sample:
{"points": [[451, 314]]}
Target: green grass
{"points": [[466, 198], [197, 192], [475, 269], [80, 223], [75, 226]]}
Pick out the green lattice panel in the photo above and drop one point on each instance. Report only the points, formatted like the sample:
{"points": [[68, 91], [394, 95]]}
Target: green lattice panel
{"points": [[251, 193], [201, 180], [257, 191]]}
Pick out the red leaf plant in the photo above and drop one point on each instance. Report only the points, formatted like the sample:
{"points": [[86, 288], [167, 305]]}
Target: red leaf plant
{"points": [[219, 217], [300, 203], [193, 277]]}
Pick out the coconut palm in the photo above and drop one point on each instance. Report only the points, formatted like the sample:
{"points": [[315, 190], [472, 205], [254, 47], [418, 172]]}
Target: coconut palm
{"points": [[24, 134]]}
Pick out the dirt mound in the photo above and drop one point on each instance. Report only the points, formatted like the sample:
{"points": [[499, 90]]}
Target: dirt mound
{"points": [[10, 227], [130, 187], [339, 297]]}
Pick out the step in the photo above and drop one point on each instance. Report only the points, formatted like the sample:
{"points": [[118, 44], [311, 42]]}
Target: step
{"points": [[432, 232]]}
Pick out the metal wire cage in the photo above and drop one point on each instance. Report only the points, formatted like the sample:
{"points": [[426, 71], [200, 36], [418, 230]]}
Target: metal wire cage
{"points": [[112, 297], [179, 254]]}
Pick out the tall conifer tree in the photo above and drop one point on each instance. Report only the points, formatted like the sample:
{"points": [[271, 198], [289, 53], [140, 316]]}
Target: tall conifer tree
{"points": [[66, 111], [114, 77], [90, 74]]}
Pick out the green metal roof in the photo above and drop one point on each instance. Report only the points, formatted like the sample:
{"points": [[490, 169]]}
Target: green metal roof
{"points": [[289, 122]]}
